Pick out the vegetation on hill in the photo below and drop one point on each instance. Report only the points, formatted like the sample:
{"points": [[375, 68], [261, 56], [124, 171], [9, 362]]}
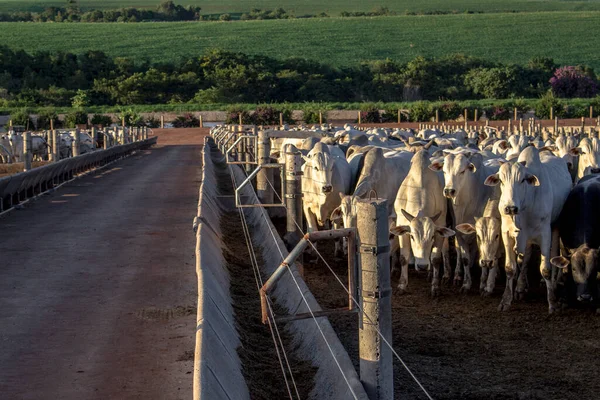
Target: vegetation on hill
{"points": [[92, 79]]}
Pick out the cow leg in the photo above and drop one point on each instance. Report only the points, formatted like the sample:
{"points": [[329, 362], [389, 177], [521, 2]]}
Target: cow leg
{"points": [[404, 257], [339, 243], [469, 256], [435, 266], [546, 268], [482, 282], [311, 221], [447, 266], [491, 280], [459, 265], [523, 282], [511, 269], [554, 252], [394, 254]]}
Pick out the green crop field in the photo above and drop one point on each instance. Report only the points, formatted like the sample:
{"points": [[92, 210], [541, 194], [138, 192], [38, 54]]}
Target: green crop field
{"points": [[333, 7], [568, 37]]}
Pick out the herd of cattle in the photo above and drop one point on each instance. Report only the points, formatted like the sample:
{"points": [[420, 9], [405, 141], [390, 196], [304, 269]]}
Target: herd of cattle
{"points": [[12, 149], [498, 195]]}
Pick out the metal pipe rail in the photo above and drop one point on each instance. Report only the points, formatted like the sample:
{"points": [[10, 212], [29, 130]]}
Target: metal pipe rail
{"points": [[249, 179], [306, 241]]}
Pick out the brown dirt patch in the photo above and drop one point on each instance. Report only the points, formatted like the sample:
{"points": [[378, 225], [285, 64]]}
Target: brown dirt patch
{"points": [[181, 136]]}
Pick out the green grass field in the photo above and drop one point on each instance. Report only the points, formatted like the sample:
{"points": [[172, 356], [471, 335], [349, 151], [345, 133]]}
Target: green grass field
{"points": [[333, 7], [569, 38]]}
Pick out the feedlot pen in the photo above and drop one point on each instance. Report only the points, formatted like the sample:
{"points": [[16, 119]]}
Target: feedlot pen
{"points": [[460, 346]]}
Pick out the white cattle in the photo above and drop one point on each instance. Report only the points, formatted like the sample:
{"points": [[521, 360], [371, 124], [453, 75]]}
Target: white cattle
{"points": [[533, 191], [464, 176], [589, 156], [419, 204], [65, 147], [326, 173], [383, 172], [39, 147], [488, 230]]}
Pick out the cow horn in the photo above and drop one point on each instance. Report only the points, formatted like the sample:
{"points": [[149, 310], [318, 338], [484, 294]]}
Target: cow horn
{"points": [[428, 145], [407, 215], [436, 216]]}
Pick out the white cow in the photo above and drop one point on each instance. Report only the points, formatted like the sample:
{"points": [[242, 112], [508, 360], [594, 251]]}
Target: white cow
{"points": [[589, 156], [464, 176], [419, 205], [488, 230], [326, 173], [382, 173], [39, 147], [533, 191]]}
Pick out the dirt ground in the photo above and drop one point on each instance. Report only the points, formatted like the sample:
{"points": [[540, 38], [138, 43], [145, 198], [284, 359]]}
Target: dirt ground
{"points": [[98, 284], [461, 347], [11, 169]]}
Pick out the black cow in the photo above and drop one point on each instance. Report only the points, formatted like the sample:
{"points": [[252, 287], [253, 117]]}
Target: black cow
{"points": [[579, 225]]}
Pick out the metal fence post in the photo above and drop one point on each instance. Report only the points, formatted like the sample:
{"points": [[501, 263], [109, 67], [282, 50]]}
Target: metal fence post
{"points": [[376, 362], [76, 144], [264, 179], [293, 196], [27, 156]]}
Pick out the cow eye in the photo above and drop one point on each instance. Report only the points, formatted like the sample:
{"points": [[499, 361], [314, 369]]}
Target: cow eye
{"points": [[497, 236], [462, 173]]}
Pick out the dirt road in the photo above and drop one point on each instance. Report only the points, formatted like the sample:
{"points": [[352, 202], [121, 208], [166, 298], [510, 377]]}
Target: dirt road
{"points": [[97, 282]]}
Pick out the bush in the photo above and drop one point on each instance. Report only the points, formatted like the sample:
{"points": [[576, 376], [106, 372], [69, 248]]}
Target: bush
{"points": [[370, 114], [547, 101], [187, 120], [421, 111], [233, 116], [572, 82], [496, 113], [154, 122], [132, 118], [75, 118], [450, 111], [100, 119], [44, 117], [23, 118], [225, 17]]}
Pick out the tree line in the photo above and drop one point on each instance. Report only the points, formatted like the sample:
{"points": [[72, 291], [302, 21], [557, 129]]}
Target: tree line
{"points": [[93, 78]]}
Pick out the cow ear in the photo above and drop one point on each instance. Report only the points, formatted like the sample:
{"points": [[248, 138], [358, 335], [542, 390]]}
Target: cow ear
{"points": [[548, 148], [467, 229], [336, 215], [532, 180], [444, 232], [400, 230], [407, 215], [305, 158], [576, 151], [342, 195], [503, 145], [275, 154], [436, 166], [492, 180], [471, 167], [560, 262]]}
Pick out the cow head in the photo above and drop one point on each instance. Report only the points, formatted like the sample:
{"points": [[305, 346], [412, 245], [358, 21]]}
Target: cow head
{"points": [[346, 212], [457, 171], [515, 182], [487, 230], [584, 269], [422, 231], [321, 165]]}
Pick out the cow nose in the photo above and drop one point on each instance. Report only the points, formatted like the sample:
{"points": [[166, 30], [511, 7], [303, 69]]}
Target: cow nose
{"points": [[327, 188], [486, 263], [511, 210], [449, 193], [421, 267], [585, 298]]}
